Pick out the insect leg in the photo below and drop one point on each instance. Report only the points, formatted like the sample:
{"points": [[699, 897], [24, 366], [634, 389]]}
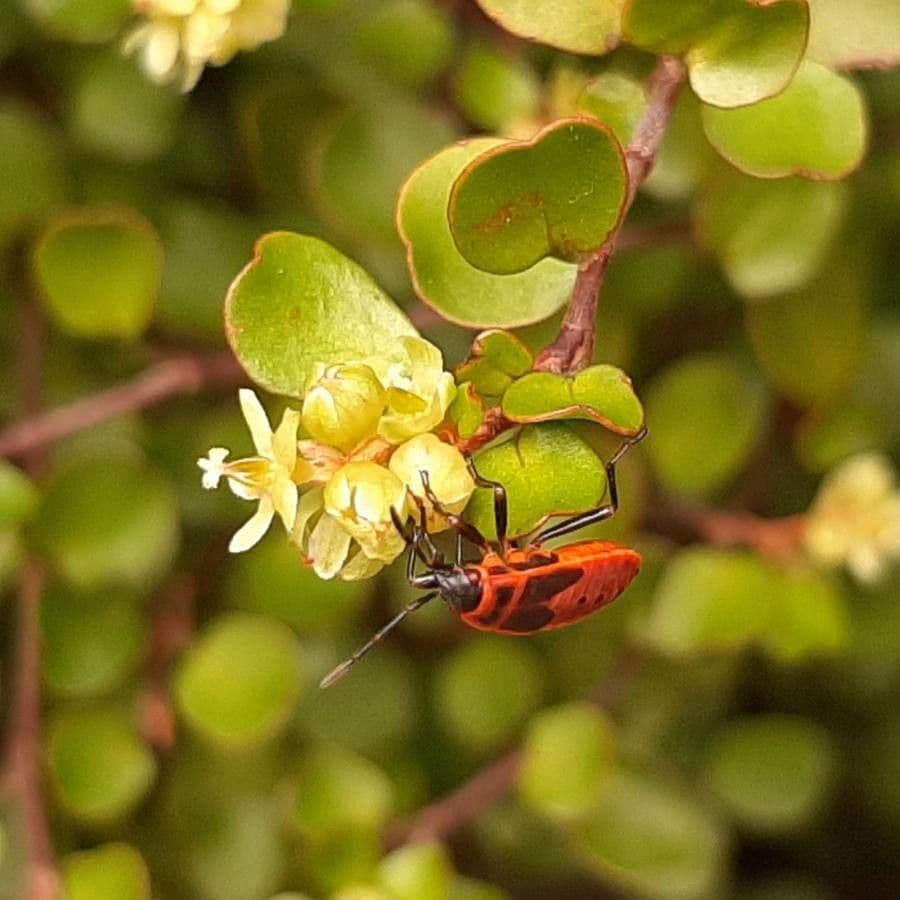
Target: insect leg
{"points": [[344, 667], [600, 513], [501, 504], [469, 532]]}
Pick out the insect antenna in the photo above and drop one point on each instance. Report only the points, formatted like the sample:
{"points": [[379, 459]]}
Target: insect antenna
{"points": [[341, 670]]}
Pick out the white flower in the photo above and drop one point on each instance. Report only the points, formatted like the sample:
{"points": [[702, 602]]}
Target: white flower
{"points": [[855, 520], [180, 37], [266, 478]]}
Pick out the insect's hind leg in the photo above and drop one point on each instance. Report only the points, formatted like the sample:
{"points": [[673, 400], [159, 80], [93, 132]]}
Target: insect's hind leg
{"points": [[469, 532], [600, 513], [501, 504]]}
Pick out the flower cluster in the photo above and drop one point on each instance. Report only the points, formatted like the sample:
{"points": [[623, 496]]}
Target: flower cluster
{"points": [[855, 519], [179, 38], [369, 425]]}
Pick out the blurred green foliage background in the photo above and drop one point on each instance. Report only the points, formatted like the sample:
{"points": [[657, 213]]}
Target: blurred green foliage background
{"points": [[729, 728]]}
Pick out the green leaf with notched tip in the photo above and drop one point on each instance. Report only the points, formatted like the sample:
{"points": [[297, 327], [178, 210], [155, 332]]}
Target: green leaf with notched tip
{"points": [[496, 358], [444, 279], [772, 236], [467, 410], [560, 194], [859, 35], [737, 51], [816, 127], [600, 393], [300, 302], [571, 25], [546, 469]]}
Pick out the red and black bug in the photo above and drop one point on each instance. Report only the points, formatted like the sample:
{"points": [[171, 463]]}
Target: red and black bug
{"points": [[512, 590]]}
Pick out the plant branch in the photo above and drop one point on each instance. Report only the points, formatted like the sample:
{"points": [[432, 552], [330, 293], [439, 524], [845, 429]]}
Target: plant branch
{"points": [[573, 349], [180, 376]]}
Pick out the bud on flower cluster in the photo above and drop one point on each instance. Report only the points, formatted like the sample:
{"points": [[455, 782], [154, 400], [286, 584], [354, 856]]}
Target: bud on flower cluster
{"points": [[370, 424]]}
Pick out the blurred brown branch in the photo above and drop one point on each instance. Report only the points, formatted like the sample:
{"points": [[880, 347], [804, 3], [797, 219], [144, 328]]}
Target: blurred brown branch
{"points": [[573, 349], [176, 377]]}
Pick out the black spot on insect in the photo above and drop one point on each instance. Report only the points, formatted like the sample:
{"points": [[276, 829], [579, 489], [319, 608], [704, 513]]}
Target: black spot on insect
{"points": [[497, 570], [535, 561], [502, 597], [529, 618], [582, 600], [541, 588]]}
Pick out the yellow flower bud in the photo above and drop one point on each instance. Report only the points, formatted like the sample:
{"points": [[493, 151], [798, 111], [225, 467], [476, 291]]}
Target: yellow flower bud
{"points": [[360, 496], [343, 406], [447, 474]]}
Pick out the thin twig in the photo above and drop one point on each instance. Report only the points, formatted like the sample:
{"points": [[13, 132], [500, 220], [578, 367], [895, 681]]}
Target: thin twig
{"points": [[176, 377], [573, 349]]}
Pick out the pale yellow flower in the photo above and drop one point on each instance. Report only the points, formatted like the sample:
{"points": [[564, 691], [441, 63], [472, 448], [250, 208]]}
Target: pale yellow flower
{"points": [[855, 519], [179, 38], [266, 478], [447, 474], [418, 390], [343, 405]]}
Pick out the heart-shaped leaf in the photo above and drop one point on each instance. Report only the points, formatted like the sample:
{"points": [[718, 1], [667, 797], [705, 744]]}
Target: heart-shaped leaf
{"points": [[816, 128], [600, 393], [444, 279], [560, 194], [547, 470], [300, 302], [571, 25], [864, 34], [495, 360], [737, 51]]}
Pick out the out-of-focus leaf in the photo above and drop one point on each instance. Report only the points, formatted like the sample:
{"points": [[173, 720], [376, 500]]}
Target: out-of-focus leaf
{"points": [[118, 112], [599, 393], [495, 90], [808, 343], [485, 691], [99, 767], [108, 872], [239, 682], [441, 275], [32, 176], [417, 872], [861, 35], [772, 236], [572, 478], [472, 889], [737, 51], [706, 415], [106, 522], [338, 791], [12, 555], [569, 24], [617, 100], [816, 127], [18, 496], [84, 21], [99, 272], [91, 641], [569, 761], [560, 194], [771, 771], [335, 312], [653, 839]]}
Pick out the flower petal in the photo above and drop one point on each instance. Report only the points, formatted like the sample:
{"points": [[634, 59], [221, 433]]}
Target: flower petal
{"points": [[310, 504], [251, 532], [284, 443], [329, 545], [284, 497], [360, 568], [257, 422]]}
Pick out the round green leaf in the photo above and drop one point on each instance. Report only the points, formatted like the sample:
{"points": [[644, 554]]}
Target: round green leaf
{"points": [[417, 872], [772, 236], [98, 765], [569, 759], [560, 194], [18, 496], [653, 839], [109, 521], [772, 772], [706, 415], [711, 600], [547, 470], [339, 791], [737, 51], [571, 25], [239, 682], [485, 691], [100, 271], [599, 393], [816, 128], [860, 35], [444, 279], [300, 302], [108, 872], [80, 20], [32, 177], [91, 641]]}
